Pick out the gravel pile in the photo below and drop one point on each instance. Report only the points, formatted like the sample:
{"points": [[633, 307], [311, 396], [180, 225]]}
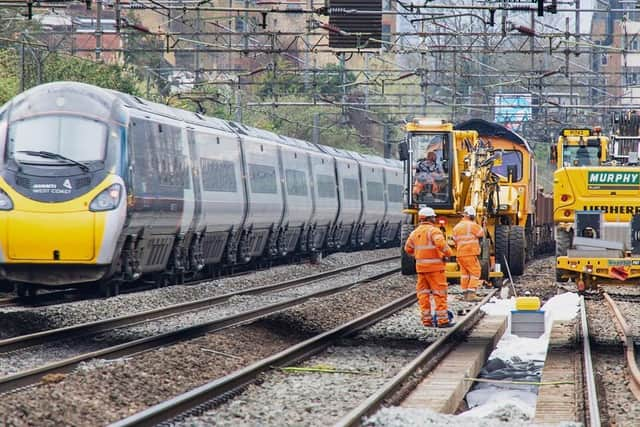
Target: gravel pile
{"points": [[24, 320], [104, 392], [38, 355]]}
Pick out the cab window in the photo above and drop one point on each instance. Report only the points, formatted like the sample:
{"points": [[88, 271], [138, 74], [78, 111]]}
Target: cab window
{"points": [[511, 164]]}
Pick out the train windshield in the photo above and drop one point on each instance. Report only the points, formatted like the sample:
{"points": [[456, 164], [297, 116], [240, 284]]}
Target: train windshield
{"points": [[430, 171], [78, 138], [580, 155]]}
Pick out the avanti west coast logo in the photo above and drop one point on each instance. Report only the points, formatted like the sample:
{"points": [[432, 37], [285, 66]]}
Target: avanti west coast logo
{"points": [[613, 180]]}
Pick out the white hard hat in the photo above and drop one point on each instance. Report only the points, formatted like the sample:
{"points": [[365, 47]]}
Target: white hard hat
{"points": [[427, 212], [469, 210]]}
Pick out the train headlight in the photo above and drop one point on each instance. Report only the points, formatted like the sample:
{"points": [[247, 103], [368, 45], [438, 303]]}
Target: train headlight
{"points": [[5, 202], [107, 200]]}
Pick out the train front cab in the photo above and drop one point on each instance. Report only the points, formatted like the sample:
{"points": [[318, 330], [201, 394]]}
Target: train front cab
{"points": [[62, 197]]}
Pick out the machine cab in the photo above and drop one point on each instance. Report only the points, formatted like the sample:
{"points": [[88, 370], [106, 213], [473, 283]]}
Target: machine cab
{"points": [[580, 147], [427, 154]]}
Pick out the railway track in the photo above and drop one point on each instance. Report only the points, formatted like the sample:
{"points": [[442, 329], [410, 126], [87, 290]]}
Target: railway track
{"points": [[209, 395], [31, 376], [51, 297], [25, 341], [627, 337]]}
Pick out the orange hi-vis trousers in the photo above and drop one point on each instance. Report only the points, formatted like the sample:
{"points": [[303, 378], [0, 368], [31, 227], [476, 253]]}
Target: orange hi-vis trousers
{"points": [[469, 272], [432, 284]]}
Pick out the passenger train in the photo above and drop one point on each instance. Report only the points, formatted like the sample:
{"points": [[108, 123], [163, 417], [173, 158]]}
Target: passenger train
{"points": [[102, 187]]}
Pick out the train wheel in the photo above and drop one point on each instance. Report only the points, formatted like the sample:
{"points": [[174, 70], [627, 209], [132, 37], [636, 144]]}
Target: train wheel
{"points": [[407, 262], [109, 288], [316, 257], [26, 291], [517, 255]]}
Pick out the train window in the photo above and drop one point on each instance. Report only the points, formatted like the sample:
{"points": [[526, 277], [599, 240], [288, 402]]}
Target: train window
{"points": [[351, 189], [395, 193], [262, 179], [326, 186], [511, 164], [375, 191], [296, 182], [142, 136], [61, 134], [218, 175], [172, 165]]}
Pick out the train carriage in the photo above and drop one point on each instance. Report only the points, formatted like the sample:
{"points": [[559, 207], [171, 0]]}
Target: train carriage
{"points": [[103, 187], [349, 198]]}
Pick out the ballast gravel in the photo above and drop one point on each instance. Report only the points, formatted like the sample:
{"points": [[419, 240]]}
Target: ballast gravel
{"points": [[23, 320], [622, 408], [99, 393], [310, 398], [102, 392], [32, 357]]}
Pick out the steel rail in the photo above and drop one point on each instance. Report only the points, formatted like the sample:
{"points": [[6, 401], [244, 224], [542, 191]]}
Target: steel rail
{"points": [[445, 342], [24, 341], [592, 395], [627, 338], [32, 376], [184, 402]]}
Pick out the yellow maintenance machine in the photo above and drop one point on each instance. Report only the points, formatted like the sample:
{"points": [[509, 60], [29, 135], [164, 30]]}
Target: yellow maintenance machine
{"points": [[580, 147], [596, 208], [525, 226], [448, 169]]}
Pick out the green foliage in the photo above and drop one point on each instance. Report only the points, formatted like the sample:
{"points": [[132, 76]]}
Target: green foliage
{"points": [[39, 68], [544, 168], [110, 76], [297, 122], [208, 100], [142, 52], [9, 84], [328, 82]]}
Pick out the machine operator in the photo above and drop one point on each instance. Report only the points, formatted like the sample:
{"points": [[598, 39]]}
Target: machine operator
{"points": [[428, 173]]}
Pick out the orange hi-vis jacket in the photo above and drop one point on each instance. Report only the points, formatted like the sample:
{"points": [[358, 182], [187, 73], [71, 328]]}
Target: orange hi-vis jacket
{"points": [[466, 234], [427, 244]]}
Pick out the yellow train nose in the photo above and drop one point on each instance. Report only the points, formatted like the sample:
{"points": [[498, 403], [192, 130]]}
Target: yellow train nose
{"points": [[37, 236]]}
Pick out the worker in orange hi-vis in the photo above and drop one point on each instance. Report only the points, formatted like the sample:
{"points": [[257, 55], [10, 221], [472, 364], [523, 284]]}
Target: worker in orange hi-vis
{"points": [[429, 247], [465, 235]]}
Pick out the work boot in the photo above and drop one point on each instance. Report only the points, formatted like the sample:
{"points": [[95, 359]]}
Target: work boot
{"points": [[471, 296], [447, 325]]}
